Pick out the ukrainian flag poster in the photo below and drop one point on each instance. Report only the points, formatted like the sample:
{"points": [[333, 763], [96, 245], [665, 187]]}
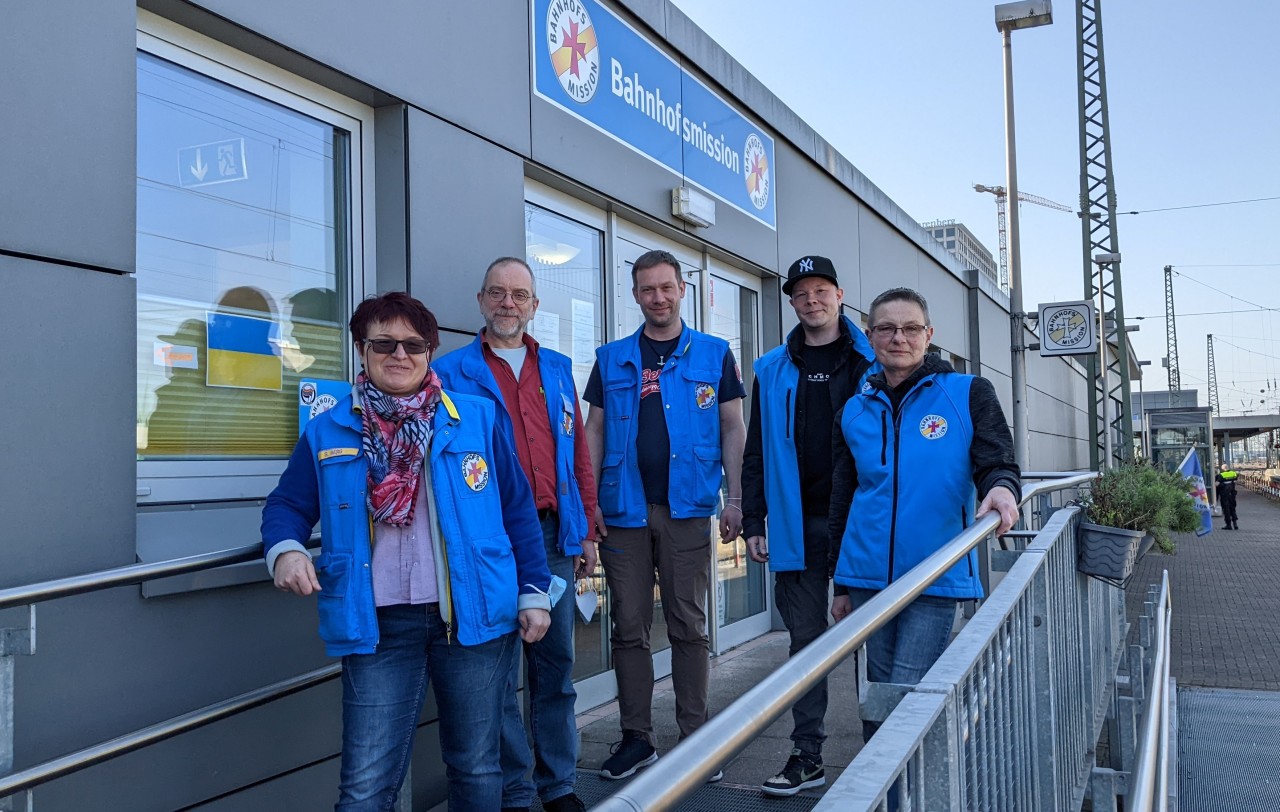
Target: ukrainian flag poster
{"points": [[243, 352]]}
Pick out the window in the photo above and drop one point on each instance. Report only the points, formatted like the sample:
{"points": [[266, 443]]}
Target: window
{"points": [[567, 262], [248, 260]]}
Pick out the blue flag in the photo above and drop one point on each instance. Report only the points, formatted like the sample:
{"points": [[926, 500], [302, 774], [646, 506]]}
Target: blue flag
{"points": [[1190, 468]]}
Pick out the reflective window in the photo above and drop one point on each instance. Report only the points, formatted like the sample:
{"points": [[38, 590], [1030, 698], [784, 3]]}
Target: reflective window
{"points": [[740, 582], [566, 258], [567, 261], [243, 263]]}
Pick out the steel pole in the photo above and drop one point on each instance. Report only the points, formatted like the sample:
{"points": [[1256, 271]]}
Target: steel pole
{"points": [[1017, 347]]}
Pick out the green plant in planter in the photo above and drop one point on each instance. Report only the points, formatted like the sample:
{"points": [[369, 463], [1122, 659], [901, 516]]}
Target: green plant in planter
{"points": [[1137, 496]]}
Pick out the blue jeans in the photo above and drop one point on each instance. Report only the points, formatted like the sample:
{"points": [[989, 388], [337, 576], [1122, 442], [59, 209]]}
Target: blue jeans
{"points": [[552, 699], [905, 648], [382, 695]]}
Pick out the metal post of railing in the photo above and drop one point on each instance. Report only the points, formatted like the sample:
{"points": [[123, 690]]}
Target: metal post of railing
{"points": [[1149, 786], [21, 642], [14, 642]]}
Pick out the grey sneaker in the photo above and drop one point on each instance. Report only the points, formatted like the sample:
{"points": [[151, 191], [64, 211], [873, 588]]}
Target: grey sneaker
{"points": [[629, 755], [803, 771]]}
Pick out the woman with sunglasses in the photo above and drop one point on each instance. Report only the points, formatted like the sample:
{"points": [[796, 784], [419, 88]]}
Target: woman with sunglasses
{"points": [[431, 561]]}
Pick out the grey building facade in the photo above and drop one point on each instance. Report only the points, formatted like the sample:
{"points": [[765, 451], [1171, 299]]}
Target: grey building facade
{"points": [[198, 193]]}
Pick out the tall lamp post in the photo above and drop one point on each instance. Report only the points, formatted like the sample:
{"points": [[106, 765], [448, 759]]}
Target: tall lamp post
{"points": [[1142, 413], [1011, 16]]}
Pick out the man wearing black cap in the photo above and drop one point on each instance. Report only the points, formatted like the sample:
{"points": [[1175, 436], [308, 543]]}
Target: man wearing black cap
{"points": [[786, 480]]}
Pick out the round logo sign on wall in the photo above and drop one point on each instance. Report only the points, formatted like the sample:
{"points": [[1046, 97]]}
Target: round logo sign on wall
{"points": [[575, 54], [757, 171]]}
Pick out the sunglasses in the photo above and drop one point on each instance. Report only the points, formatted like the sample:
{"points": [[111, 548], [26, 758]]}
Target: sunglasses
{"points": [[387, 346]]}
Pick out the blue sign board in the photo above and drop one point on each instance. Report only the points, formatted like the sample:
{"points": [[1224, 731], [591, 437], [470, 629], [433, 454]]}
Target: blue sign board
{"points": [[207, 164], [591, 64]]}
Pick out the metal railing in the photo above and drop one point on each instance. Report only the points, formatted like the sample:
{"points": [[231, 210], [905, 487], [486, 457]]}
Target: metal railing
{"points": [[691, 762], [1009, 716], [1151, 775], [22, 641]]}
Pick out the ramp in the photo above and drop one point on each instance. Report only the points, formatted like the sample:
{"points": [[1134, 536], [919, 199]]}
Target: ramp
{"points": [[1228, 750]]}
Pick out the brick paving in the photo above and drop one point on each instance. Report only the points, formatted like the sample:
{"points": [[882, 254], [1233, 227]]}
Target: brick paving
{"points": [[1226, 600]]}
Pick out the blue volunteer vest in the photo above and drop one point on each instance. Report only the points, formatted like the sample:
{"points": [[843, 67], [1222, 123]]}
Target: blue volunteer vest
{"points": [[465, 371], [690, 401], [915, 485]]}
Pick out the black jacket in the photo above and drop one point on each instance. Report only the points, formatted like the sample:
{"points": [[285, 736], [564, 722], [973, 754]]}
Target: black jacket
{"points": [[849, 370]]}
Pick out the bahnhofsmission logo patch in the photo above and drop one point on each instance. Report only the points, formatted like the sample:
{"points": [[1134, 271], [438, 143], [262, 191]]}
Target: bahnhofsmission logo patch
{"points": [[475, 472], [933, 427]]}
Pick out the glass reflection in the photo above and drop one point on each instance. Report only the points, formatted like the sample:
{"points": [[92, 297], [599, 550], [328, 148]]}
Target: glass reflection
{"points": [[241, 265]]}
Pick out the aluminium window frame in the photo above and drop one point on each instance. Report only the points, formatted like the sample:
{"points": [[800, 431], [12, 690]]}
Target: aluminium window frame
{"points": [[179, 481]]}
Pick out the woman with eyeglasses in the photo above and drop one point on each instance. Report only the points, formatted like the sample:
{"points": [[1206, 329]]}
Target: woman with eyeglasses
{"points": [[919, 453], [431, 559]]}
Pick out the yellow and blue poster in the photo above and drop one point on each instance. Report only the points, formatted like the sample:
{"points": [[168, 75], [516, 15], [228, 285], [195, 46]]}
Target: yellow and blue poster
{"points": [[243, 352]]}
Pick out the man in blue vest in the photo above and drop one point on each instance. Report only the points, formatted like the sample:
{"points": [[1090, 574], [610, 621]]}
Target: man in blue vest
{"points": [[921, 452], [786, 481], [539, 406], [666, 417]]}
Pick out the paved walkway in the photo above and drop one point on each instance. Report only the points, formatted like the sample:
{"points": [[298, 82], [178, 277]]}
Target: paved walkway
{"points": [[732, 675], [1226, 600]]}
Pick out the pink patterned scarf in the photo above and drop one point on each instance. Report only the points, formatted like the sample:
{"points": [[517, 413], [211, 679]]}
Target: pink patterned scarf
{"points": [[397, 432]]}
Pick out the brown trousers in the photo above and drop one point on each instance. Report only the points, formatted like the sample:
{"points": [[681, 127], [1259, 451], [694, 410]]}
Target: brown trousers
{"points": [[679, 550]]}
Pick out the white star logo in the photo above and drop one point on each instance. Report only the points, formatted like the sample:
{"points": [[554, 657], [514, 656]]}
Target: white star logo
{"points": [[806, 265]]}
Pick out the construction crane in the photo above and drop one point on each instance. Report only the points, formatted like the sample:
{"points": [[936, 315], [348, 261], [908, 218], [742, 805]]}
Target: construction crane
{"points": [[1171, 333], [1213, 380], [1001, 194]]}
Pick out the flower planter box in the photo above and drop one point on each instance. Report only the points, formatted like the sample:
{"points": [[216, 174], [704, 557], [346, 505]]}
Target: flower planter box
{"points": [[1108, 553]]}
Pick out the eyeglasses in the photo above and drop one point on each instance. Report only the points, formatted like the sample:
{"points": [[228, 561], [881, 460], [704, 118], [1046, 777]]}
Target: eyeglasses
{"points": [[497, 295], [387, 346], [886, 332]]}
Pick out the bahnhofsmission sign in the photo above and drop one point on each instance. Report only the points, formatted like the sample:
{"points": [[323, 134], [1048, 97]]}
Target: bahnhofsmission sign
{"points": [[594, 66]]}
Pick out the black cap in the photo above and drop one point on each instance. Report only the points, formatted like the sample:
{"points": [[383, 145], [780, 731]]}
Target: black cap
{"points": [[805, 267]]}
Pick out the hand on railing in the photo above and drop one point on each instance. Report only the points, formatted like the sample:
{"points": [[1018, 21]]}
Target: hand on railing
{"points": [[1002, 501]]}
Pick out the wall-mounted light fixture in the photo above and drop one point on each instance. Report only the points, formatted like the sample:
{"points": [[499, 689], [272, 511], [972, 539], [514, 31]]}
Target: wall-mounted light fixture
{"points": [[693, 206]]}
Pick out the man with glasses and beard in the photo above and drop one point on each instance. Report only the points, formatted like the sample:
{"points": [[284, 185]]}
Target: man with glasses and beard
{"points": [[534, 388]]}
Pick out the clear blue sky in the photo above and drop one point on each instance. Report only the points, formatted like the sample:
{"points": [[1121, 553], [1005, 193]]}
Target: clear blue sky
{"points": [[915, 100]]}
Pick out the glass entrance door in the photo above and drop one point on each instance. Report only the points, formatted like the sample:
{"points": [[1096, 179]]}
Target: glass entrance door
{"points": [[740, 591]]}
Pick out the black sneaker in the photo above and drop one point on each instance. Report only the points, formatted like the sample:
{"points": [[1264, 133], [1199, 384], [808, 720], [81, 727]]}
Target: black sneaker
{"points": [[803, 771], [629, 755], [565, 803]]}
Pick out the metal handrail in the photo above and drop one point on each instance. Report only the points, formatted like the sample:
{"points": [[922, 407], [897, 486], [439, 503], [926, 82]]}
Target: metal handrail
{"points": [[131, 574], [1152, 760], [98, 753], [694, 760]]}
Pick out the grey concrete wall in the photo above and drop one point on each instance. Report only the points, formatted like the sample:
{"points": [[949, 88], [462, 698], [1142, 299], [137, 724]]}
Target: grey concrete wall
{"points": [[467, 62], [70, 133], [466, 206], [816, 216]]}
